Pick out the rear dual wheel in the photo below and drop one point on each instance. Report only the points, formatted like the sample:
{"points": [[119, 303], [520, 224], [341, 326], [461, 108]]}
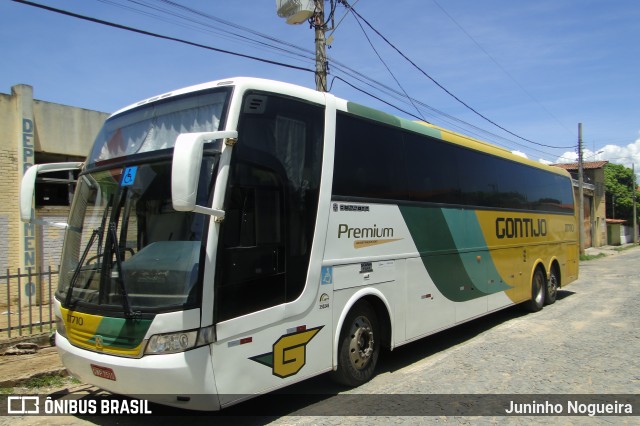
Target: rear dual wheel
{"points": [[552, 287], [538, 291]]}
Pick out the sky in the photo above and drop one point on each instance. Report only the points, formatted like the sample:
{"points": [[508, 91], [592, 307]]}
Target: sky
{"points": [[519, 74]]}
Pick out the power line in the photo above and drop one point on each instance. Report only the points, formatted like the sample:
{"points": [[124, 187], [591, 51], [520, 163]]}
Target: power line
{"points": [[337, 65], [200, 24], [310, 56], [236, 26], [160, 36], [452, 123], [500, 66], [444, 88], [387, 67]]}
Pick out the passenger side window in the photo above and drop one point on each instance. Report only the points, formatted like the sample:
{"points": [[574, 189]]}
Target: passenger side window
{"points": [[270, 205]]}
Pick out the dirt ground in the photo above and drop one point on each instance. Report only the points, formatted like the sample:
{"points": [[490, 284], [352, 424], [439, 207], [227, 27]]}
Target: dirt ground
{"points": [[15, 369]]}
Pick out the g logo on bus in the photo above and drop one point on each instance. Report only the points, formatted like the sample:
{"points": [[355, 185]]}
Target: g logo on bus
{"points": [[99, 342], [289, 353]]}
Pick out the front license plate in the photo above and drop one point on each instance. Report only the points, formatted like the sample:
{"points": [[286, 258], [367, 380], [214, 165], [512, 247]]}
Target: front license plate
{"points": [[104, 372]]}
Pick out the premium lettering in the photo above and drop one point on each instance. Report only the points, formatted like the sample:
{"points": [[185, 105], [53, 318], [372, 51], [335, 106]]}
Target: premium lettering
{"points": [[511, 227], [373, 232]]}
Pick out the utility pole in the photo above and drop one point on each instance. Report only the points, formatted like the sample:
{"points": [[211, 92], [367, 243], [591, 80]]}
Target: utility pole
{"points": [[635, 216], [300, 11], [321, 47], [580, 192]]}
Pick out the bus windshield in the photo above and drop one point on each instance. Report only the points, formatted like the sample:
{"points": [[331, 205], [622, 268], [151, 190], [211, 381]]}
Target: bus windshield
{"points": [[126, 248]]}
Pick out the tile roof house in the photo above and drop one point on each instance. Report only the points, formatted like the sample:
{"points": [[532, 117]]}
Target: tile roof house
{"points": [[595, 224]]}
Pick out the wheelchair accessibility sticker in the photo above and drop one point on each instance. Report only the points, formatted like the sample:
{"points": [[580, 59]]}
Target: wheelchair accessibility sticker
{"points": [[129, 176], [326, 276]]}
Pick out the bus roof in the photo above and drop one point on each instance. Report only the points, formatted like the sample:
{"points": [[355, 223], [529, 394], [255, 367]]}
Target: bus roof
{"points": [[446, 135], [357, 109]]}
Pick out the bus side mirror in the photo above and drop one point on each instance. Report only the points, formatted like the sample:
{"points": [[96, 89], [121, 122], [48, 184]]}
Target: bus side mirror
{"points": [[27, 188], [185, 170]]}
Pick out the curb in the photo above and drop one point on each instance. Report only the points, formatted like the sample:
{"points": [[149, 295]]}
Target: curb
{"points": [[62, 372], [41, 339]]}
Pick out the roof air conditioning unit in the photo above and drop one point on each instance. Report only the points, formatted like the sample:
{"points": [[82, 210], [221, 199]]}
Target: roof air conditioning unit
{"points": [[295, 11]]}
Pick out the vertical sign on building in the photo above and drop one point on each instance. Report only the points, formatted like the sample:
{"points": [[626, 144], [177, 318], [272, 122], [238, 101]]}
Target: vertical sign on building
{"points": [[26, 158]]}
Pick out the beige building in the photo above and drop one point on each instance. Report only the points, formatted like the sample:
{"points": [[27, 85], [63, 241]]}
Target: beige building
{"points": [[595, 223], [33, 132]]}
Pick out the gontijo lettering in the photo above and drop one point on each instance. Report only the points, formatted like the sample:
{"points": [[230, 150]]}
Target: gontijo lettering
{"points": [[509, 227]]}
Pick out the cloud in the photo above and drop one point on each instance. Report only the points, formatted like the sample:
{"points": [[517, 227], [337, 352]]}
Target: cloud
{"points": [[616, 154], [519, 153]]}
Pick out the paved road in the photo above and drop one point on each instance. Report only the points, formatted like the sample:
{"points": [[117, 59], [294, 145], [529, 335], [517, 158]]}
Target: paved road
{"points": [[586, 343]]}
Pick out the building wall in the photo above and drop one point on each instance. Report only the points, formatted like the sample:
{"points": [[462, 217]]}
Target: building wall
{"points": [[594, 205], [65, 130], [599, 213], [29, 126], [9, 185]]}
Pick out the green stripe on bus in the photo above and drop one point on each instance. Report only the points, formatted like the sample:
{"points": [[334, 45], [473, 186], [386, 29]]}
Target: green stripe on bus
{"points": [[372, 114], [122, 333], [449, 242]]}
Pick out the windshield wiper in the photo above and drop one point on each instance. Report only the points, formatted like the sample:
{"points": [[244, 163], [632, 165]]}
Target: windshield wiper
{"points": [[76, 272], [98, 232], [126, 303]]}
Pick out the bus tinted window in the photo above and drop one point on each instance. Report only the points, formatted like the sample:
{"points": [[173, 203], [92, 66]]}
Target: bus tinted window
{"points": [[432, 170], [494, 182], [490, 181], [377, 161], [369, 160]]}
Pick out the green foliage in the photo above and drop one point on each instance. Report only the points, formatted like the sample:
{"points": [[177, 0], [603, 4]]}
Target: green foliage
{"points": [[619, 187], [44, 381], [585, 257]]}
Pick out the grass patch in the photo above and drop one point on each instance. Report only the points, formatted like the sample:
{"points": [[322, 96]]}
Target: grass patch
{"points": [[625, 247], [44, 382], [584, 257], [40, 385]]}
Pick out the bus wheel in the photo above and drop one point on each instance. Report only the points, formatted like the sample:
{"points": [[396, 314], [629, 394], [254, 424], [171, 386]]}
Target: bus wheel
{"points": [[359, 346], [552, 288], [538, 290]]}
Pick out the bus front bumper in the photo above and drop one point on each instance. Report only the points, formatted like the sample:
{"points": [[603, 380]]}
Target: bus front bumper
{"points": [[183, 380]]}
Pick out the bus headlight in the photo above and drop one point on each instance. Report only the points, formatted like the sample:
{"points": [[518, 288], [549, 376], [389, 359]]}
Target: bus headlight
{"points": [[172, 342]]}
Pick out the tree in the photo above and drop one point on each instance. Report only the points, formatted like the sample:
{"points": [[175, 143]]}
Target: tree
{"points": [[618, 181]]}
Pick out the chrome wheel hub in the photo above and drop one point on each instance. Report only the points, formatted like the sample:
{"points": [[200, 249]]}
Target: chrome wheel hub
{"points": [[361, 343]]}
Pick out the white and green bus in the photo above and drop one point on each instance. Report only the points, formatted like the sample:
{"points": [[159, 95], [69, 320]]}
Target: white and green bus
{"points": [[235, 237]]}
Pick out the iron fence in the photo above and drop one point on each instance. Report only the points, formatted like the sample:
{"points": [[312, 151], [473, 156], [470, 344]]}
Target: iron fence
{"points": [[26, 301]]}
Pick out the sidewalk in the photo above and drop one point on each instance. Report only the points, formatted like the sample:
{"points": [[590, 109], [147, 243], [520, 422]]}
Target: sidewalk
{"points": [[607, 250]]}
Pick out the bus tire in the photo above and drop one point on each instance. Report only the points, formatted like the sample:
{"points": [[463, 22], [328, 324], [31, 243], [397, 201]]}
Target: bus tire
{"points": [[538, 290], [552, 287], [358, 347]]}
